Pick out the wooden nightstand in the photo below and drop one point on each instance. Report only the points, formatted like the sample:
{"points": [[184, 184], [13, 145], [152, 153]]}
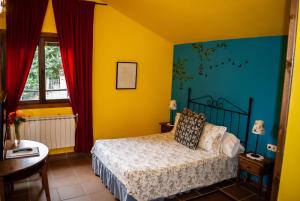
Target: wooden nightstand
{"points": [[257, 168], [165, 127]]}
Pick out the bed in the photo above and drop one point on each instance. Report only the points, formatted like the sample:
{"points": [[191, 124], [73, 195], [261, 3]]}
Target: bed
{"points": [[156, 166]]}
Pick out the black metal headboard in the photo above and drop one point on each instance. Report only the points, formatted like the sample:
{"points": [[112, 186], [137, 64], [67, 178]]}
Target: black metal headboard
{"points": [[221, 111]]}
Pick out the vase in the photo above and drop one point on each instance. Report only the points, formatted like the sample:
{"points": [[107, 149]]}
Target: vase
{"points": [[17, 135], [8, 132]]}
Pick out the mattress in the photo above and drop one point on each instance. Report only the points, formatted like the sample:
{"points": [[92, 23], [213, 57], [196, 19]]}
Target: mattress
{"points": [[156, 166]]}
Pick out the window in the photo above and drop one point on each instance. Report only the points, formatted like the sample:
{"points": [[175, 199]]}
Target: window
{"points": [[46, 80]]}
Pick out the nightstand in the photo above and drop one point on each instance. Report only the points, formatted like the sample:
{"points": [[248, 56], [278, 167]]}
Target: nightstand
{"points": [[257, 168], [165, 127]]}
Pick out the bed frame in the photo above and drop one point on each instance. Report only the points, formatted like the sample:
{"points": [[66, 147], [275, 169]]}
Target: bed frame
{"points": [[221, 111]]}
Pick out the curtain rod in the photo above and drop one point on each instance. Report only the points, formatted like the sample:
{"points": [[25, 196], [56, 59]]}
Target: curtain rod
{"points": [[97, 3], [101, 4]]}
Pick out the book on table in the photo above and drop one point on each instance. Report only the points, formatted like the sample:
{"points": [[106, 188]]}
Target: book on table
{"points": [[22, 152]]}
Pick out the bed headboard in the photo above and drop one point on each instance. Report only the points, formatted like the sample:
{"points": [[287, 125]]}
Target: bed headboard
{"points": [[221, 111]]}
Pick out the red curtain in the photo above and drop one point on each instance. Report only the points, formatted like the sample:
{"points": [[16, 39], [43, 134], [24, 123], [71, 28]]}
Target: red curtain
{"points": [[24, 22], [74, 23]]}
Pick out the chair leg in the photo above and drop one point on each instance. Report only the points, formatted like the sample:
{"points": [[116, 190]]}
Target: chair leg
{"points": [[44, 176], [2, 189], [11, 187]]}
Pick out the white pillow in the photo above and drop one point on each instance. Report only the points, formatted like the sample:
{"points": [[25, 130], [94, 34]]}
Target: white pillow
{"points": [[211, 137], [176, 122], [230, 145]]}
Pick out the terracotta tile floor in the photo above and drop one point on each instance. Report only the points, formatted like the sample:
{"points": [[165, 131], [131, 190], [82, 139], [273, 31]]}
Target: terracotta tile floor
{"points": [[71, 178]]}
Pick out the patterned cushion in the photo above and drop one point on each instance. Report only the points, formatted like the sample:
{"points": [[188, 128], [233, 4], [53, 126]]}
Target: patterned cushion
{"points": [[189, 128], [211, 137]]}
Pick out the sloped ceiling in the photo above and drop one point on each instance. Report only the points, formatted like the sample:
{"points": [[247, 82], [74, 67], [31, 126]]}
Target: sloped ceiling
{"points": [[188, 21]]}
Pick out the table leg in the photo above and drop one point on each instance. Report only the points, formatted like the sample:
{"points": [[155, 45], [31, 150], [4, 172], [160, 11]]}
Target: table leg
{"points": [[45, 181], [238, 176], [260, 181], [11, 187], [248, 177], [2, 190], [269, 185]]}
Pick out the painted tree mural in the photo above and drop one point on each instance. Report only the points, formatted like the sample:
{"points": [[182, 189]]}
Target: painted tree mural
{"points": [[180, 73], [207, 63], [205, 54]]}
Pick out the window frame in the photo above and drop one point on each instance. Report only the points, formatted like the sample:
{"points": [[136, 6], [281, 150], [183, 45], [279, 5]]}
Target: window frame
{"points": [[43, 102]]}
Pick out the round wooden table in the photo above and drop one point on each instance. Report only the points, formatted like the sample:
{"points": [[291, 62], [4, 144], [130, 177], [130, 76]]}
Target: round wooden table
{"points": [[15, 169]]}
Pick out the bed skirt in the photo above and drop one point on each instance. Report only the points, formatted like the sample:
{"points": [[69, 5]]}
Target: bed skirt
{"points": [[111, 182]]}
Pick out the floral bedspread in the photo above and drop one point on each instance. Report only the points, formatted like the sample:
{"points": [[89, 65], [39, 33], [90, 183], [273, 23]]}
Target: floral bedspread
{"points": [[156, 166]]}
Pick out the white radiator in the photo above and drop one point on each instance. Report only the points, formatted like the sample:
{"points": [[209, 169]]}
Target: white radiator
{"points": [[54, 131]]}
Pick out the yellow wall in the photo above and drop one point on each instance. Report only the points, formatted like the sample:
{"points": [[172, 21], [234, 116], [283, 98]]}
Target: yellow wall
{"points": [[49, 22], [2, 21], [208, 20], [290, 177], [122, 113]]}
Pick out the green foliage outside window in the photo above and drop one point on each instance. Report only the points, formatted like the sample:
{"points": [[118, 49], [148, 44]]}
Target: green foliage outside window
{"points": [[31, 90], [53, 62], [53, 70]]}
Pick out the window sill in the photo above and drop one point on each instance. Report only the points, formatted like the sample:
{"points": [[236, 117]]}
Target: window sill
{"points": [[45, 105]]}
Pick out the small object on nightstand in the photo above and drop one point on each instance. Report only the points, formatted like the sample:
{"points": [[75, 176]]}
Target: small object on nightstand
{"points": [[257, 168], [165, 127], [258, 129], [256, 157], [173, 107]]}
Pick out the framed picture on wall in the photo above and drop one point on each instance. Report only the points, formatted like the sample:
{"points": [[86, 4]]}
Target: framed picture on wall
{"points": [[126, 75]]}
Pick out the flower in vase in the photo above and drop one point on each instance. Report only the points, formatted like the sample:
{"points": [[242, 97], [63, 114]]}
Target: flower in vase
{"points": [[11, 117], [19, 113], [16, 117]]}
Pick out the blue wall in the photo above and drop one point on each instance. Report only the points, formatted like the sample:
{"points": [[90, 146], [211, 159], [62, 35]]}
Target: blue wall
{"points": [[236, 70]]}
